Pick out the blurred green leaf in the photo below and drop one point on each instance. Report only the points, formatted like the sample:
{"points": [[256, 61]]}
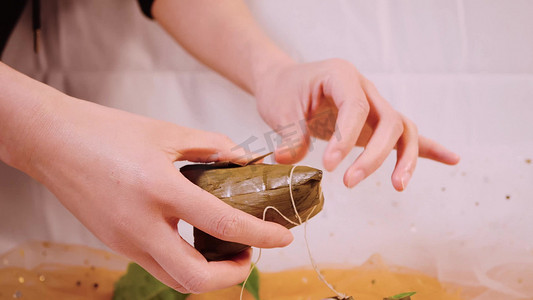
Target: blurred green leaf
{"points": [[137, 284], [402, 295], [252, 285]]}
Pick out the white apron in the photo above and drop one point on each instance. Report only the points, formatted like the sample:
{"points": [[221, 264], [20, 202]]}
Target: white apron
{"points": [[462, 70]]}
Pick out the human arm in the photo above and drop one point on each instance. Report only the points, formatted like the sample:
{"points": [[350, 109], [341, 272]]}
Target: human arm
{"points": [[224, 36], [114, 171]]}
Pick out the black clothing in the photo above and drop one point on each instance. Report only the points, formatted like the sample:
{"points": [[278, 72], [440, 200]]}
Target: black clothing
{"points": [[146, 7], [10, 11]]}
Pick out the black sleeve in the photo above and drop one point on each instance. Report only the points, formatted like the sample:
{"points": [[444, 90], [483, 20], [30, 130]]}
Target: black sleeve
{"points": [[146, 7], [10, 12]]}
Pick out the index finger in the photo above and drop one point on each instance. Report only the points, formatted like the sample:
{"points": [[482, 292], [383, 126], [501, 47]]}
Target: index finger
{"points": [[204, 146], [435, 151], [211, 215], [353, 109]]}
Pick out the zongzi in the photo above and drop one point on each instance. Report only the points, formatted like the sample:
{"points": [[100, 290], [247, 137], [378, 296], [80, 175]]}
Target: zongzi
{"points": [[252, 188]]}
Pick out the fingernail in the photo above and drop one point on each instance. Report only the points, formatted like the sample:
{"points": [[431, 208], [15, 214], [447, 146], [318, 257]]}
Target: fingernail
{"points": [[213, 157], [357, 177], [405, 179]]}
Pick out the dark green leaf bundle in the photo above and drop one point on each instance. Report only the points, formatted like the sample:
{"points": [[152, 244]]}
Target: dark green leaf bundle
{"points": [[137, 284]]}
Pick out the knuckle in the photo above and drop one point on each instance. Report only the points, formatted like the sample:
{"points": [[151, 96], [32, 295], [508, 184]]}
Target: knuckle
{"points": [[394, 122], [160, 191], [368, 83], [339, 66], [362, 105], [150, 184], [196, 282], [411, 125], [228, 225], [397, 127]]}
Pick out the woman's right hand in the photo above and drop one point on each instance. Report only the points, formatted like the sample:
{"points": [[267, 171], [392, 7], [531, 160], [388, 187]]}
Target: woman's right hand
{"points": [[114, 171]]}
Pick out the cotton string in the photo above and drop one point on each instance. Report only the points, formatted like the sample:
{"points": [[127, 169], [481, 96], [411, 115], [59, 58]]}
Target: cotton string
{"points": [[313, 263]]}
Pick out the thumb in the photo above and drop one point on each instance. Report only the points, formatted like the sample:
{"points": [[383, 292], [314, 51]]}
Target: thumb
{"points": [[204, 146], [211, 215], [294, 143]]}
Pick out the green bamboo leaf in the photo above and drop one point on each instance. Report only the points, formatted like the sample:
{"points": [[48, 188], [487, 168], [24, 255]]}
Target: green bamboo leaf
{"points": [[137, 284], [402, 295], [252, 285]]}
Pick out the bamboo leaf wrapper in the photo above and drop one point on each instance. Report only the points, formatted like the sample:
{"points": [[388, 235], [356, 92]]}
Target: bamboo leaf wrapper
{"points": [[251, 189]]}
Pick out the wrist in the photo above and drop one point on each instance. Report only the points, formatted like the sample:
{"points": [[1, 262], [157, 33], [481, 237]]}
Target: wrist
{"points": [[265, 68], [32, 147], [27, 113]]}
